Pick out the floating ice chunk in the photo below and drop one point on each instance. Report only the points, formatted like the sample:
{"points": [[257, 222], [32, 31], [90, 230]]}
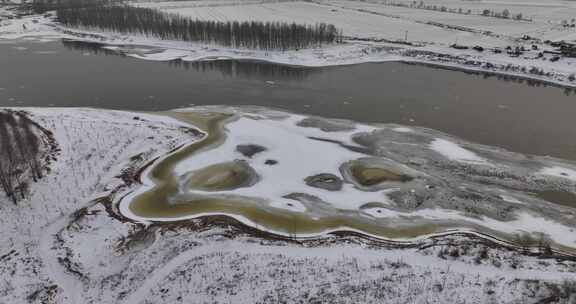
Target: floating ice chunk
{"points": [[163, 55], [511, 199], [45, 52], [559, 172], [403, 130], [454, 152]]}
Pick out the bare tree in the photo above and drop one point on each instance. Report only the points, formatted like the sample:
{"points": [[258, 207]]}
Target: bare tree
{"points": [[20, 154], [154, 23]]}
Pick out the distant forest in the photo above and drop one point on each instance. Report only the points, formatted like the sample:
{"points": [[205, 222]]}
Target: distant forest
{"points": [[42, 6], [110, 16]]}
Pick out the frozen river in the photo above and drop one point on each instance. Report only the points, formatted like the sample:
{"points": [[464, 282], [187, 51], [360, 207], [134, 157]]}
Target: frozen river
{"points": [[522, 117]]}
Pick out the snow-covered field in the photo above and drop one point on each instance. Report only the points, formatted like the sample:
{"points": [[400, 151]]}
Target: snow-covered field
{"points": [[375, 31], [69, 242], [540, 19], [95, 147], [353, 23]]}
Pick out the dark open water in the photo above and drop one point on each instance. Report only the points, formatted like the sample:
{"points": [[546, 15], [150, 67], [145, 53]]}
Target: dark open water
{"points": [[520, 116]]}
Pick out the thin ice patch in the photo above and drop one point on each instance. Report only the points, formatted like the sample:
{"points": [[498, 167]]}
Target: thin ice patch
{"points": [[557, 171], [455, 152]]}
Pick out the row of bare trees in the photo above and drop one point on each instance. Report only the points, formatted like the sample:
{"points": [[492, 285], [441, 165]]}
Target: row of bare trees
{"points": [[20, 155], [41, 6], [151, 22]]}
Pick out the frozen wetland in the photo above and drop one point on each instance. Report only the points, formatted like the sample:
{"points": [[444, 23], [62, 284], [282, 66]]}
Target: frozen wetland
{"points": [[248, 197], [305, 176], [247, 204]]}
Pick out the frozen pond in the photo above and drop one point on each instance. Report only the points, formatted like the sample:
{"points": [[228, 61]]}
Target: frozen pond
{"points": [[305, 176], [521, 117]]}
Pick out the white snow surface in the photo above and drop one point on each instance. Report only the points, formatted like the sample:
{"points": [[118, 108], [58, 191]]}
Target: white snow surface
{"points": [[559, 172], [298, 157], [455, 152]]}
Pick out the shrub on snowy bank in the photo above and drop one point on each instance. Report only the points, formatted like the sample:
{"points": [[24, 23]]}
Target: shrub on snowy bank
{"points": [[153, 23]]}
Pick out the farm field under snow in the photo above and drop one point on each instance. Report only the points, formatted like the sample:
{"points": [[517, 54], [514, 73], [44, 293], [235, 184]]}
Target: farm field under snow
{"points": [[375, 31], [352, 22], [75, 239]]}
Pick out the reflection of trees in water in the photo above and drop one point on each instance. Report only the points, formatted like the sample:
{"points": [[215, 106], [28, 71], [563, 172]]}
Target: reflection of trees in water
{"points": [[20, 153], [530, 82], [89, 47], [270, 71], [503, 77], [248, 69], [228, 68]]}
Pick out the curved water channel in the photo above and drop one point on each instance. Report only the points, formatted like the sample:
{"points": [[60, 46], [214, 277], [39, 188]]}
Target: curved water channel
{"points": [[161, 202]]}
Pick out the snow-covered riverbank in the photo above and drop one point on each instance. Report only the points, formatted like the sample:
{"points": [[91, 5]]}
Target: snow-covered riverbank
{"points": [[373, 34]]}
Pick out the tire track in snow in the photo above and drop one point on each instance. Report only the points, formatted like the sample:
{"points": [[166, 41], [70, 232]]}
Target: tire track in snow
{"points": [[66, 281]]}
